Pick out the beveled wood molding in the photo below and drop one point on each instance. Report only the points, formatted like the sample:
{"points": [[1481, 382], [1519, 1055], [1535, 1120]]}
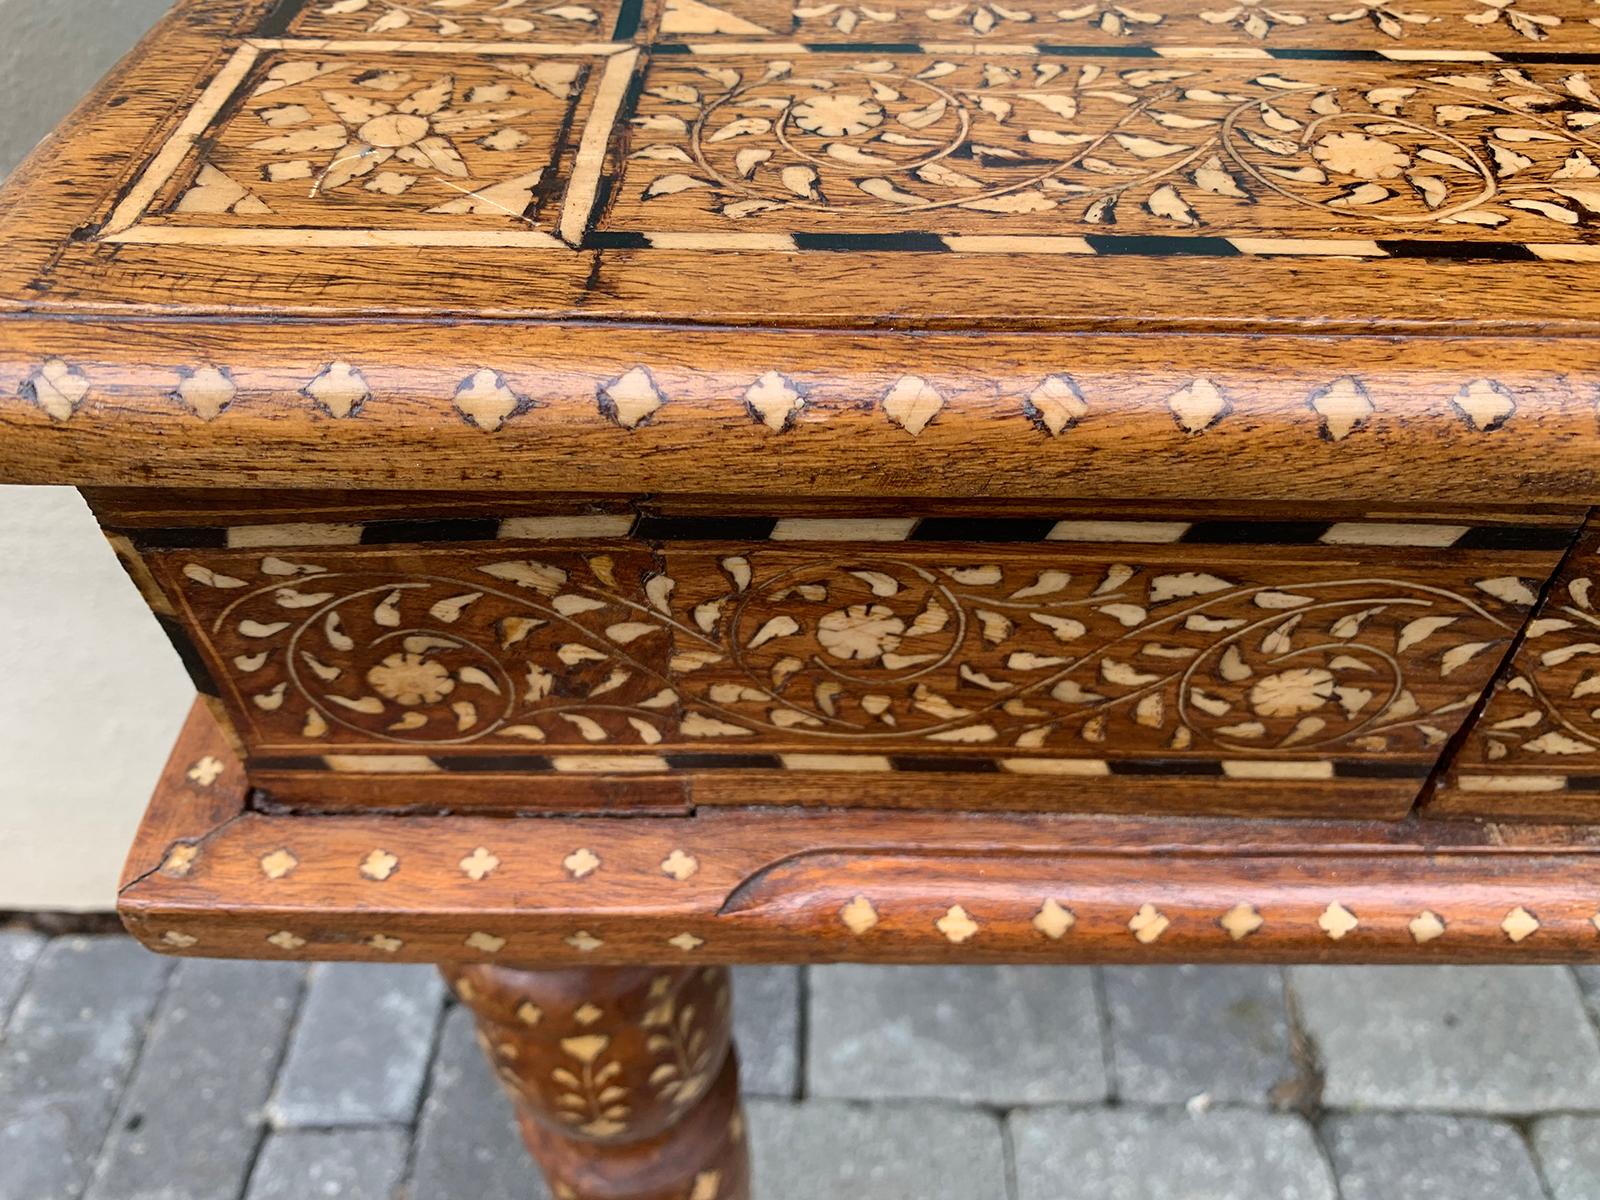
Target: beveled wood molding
{"points": [[1312, 254], [209, 876], [1332, 420]]}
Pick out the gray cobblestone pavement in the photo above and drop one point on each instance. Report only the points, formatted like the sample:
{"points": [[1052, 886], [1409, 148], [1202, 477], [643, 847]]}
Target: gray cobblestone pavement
{"points": [[126, 1077]]}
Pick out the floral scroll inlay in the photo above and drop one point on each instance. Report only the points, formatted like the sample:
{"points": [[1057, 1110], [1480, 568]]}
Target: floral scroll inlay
{"points": [[1005, 143], [1543, 720], [466, 21], [1012, 651]]}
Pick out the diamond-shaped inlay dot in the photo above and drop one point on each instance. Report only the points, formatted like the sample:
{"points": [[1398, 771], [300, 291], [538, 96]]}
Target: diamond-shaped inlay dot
{"points": [[912, 402], [284, 940], [180, 860], [1520, 924], [278, 864], [1056, 404], [379, 865], [588, 1015], [180, 941], [339, 388], [486, 942], [583, 941], [1337, 920], [1148, 924], [774, 401], [1241, 921], [686, 942], [529, 1013], [1426, 926], [1343, 406], [859, 915], [388, 945], [582, 861], [206, 771], [957, 925], [485, 400], [479, 865], [207, 392], [1484, 404], [57, 388], [631, 399], [679, 865], [1199, 406], [1054, 920]]}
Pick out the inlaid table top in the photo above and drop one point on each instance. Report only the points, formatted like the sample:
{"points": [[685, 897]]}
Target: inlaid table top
{"points": [[875, 480], [1328, 249]]}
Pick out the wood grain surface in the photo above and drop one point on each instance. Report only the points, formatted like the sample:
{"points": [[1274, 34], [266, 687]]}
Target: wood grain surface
{"points": [[981, 662], [774, 885], [1315, 253], [624, 1081]]}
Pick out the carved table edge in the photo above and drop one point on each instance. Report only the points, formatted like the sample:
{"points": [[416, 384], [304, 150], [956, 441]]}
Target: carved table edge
{"points": [[209, 877]]}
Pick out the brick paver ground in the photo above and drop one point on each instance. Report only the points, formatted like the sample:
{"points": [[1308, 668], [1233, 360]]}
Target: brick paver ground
{"points": [[126, 1077]]}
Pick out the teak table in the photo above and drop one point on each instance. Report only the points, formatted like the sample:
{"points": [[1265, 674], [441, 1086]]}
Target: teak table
{"points": [[642, 485]]}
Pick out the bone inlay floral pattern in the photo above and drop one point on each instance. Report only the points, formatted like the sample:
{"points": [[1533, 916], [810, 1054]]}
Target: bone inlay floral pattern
{"points": [[458, 20], [977, 143], [1353, 23], [619, 647], [1540, 732], [761, 145], [376, 141]]}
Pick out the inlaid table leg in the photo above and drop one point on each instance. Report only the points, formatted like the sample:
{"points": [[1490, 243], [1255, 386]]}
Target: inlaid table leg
{"points": [[625, 1080]]}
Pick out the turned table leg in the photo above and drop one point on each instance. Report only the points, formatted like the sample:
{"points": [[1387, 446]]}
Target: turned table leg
{"points": [[625, 1080]]}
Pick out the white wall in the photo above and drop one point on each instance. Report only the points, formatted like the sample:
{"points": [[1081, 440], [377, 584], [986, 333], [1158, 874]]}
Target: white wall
{"points": [[91, 695]]}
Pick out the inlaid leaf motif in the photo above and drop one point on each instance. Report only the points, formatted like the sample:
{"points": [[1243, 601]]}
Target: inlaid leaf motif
{"points": [[904, 646]]}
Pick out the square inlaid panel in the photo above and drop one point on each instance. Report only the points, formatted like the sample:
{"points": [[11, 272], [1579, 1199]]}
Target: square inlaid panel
{"points": [[389, 143]]}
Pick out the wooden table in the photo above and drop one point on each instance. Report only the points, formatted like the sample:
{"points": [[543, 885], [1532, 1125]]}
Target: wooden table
{"points": [[643, 485]]}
